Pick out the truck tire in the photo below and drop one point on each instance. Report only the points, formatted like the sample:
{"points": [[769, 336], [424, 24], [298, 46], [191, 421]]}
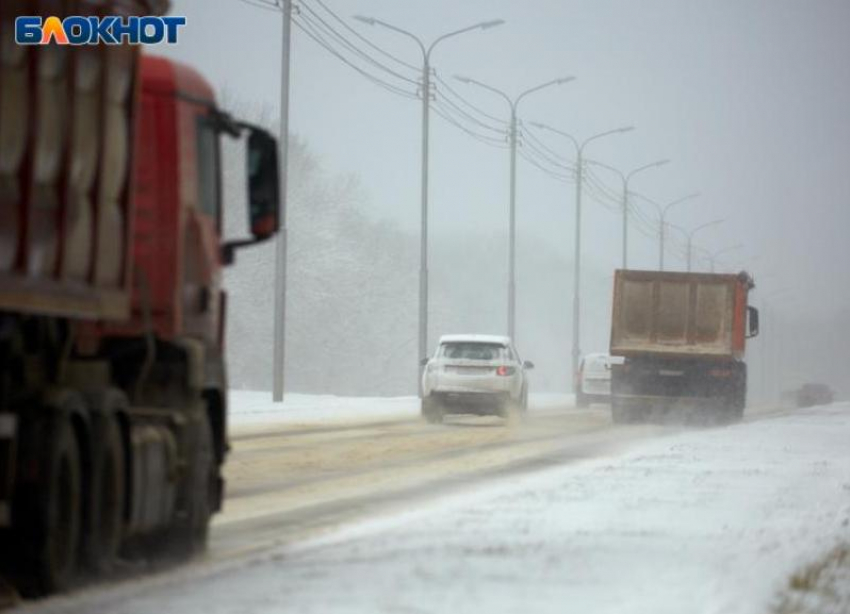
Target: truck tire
{"points": [[54, 522], [732, 409], [431, 410], [188, 535], [734, 414], [108, 490]]}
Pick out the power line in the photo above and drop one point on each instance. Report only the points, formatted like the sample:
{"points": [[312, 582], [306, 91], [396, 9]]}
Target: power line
{"points": [[261, 4], [469, 117], [555, 155], [469, 105], [309, 30], [328, 29], [366, 40], [542, 155], [443, 112], [555, 175]]}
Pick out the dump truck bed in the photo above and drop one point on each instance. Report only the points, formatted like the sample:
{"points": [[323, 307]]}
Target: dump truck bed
{"points": [[66, 138], [678, 314]]}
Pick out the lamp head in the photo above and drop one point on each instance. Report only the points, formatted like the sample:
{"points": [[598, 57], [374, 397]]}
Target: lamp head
{"points": [[492, 23], [367, 20]]}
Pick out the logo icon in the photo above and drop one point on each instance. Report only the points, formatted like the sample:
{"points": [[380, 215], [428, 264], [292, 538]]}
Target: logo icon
{"points": [[111, 30]]}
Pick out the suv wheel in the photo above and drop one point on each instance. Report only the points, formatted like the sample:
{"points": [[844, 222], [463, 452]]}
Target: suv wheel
{"points": [[431, 410]]}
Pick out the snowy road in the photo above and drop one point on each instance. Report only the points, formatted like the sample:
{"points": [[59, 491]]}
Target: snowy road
{"points": [[562, 512], [291, 481]]}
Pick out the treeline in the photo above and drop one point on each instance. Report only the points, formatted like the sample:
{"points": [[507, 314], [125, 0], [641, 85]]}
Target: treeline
{"points": [[352, 307]]}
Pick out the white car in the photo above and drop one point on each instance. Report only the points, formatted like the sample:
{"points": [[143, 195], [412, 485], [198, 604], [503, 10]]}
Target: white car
{"points": [[474, 374], [593, 380]]}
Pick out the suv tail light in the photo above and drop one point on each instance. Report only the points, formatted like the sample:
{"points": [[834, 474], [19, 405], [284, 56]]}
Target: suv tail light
{"points": [[503, 370]]}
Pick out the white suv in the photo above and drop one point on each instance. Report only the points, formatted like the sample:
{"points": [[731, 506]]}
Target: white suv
{"points": [[474, 374]]}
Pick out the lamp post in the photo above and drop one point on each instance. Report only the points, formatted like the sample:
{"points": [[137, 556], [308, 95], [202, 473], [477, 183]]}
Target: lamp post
{"points": [[426, 106], [513, 103], [579, 148], [712, 256], [625, 178], [662, 216], [690, 234], [279, 323]]}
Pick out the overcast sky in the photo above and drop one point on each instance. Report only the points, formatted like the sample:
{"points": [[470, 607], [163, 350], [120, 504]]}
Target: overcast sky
{"points": [[749, 99]]}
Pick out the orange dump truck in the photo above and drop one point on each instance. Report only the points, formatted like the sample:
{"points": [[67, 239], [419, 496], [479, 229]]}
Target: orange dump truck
{"points": [[112, 372], [682, 337]]}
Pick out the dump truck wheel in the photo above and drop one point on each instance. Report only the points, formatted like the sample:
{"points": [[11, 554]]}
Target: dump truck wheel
{"points": [[108, 492], [53, 519], [188, 535], [431, 411]]}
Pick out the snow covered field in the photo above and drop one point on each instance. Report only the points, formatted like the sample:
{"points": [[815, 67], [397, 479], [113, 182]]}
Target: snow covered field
{"points": [[705, 521]]}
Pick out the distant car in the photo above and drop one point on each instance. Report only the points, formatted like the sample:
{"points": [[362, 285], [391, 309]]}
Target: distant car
{"points": [[814, 394], [593, 380], [474, 374]]}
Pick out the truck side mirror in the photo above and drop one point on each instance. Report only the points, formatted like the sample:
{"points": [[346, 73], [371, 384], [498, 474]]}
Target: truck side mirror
{"points": [[263, 184], [753, 320], [423, 362], [527, 364]]}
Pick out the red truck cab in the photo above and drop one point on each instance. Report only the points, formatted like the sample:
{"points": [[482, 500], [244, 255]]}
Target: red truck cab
{"points": [[112, 369], [177, 224]]}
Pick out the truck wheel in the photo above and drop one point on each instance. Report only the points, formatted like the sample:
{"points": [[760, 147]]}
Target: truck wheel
{"points": [[735, 414], [108, 492], [55, 519], [188, 536], [732, 411], [431, 411]]}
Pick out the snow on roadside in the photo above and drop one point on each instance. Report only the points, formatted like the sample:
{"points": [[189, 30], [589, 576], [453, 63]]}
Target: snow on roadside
{"points": [[251, 407], [707, 521], [256, 407]]}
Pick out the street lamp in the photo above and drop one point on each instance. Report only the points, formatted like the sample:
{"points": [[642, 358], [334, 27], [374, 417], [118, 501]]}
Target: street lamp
{"points": [[712, 256], [662, 216], [625, 178], [513, 103], [579, 147], [426, 106], [690, 235]]}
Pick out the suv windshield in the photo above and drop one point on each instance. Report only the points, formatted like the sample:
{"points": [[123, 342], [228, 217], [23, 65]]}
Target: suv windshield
{"points": [[473, 351]]}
